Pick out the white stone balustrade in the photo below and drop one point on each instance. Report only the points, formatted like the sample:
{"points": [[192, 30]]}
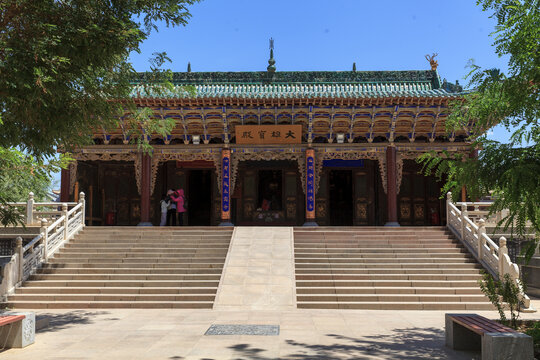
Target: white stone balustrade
{"points": [[32, 212], [494, 258], [53, 235]]}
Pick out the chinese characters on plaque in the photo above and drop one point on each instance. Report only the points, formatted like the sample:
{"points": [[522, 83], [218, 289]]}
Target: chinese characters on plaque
{"points": [[310, 184], [268, 134], [225, 182]]}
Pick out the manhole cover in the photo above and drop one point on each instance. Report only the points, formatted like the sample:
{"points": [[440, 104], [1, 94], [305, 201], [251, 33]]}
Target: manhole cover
{"points": [[265, 330]]}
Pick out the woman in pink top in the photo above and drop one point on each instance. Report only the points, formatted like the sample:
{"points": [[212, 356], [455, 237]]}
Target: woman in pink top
{"points": [[179, 198]]}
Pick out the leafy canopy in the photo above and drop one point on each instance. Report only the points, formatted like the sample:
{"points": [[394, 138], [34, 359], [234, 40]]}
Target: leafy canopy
{"points": [[64, 68], [510, 171]]}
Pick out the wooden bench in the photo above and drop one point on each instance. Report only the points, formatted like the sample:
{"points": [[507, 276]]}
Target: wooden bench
{"points": [[17, 330], [495, 341]]}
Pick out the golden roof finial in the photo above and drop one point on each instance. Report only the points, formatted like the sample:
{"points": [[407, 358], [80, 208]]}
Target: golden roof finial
{"points": [[432, 61]]}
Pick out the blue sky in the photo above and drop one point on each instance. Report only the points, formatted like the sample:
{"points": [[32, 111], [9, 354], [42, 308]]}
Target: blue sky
{"points": [[233, 35]]}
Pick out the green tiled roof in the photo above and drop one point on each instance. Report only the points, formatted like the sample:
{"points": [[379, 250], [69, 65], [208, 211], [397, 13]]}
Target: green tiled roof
{"points": [[302, 84]]}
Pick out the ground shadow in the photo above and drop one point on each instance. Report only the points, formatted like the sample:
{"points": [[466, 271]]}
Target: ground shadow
{"points": [[61, 321], [410, 343]]}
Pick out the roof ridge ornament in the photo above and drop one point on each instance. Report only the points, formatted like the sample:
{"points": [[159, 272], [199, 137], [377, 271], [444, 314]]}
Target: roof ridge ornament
{"points": [[434, 64], [271, 62], [354, 67], [188, 67]]}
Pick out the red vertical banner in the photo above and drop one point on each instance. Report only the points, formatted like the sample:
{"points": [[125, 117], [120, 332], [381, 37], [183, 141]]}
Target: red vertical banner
{"points": [[310, 185], [225, 186]]}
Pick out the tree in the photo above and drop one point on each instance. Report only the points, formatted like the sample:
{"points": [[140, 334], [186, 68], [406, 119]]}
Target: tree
{"points": [[64, 73], [21, 173], [510, 171], [64, 68]]}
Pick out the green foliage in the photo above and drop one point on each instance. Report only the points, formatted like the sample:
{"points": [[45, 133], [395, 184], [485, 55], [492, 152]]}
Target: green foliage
{"points": [[534, 332], [503, 294], [64, 68], [19, 174], [508, 171]]}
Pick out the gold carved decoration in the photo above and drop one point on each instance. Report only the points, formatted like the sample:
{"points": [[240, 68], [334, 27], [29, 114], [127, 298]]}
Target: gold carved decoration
{"points": [[405, 211], [213, 155], [257, 154], [376, 154], [361, 211], [418, 211], [321, 209], [291, 209], [409, 154]]}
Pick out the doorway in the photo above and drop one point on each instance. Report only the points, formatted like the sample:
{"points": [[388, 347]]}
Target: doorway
{"points": [[199, 197], [340, 197]]}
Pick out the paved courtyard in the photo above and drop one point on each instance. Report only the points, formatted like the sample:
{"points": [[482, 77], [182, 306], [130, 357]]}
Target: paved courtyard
{"points": [[304, 334]]}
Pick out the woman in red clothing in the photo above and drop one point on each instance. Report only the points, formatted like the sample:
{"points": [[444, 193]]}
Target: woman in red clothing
{"points": [[179, 198]]}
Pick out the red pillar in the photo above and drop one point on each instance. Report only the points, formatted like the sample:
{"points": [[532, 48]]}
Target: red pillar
{"points": [[64, 185], [146, 168], [391, 186]]}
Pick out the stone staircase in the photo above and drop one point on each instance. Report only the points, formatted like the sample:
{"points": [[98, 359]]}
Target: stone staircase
{"points": [[420, 268], [130, 267]]}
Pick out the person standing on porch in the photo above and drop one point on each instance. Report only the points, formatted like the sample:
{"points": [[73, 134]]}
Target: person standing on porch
{"points": [[171, 210], [180, 199], [164, 204]]}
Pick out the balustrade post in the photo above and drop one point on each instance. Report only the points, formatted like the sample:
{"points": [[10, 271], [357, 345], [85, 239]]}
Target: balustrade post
{"points": [[83, 207], [45, 238], [464, 214], [503, 250], [448, 201], [19, 251], [481, 239], [66, 222], [30, 209]]}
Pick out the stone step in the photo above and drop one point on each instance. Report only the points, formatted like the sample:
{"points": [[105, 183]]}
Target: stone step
{"points": [[98, 260], [152, 239], [116, 290], [114, 270], [112, 297], [394, 265], [374, 255], [136, 252], [172, 254], [397, 305], [336, 277], [390, 290], [337, 246], [150, 265], [384, 283], [311, 271], [129, 277], [122, 283], [386, 259], [110, 304], [143, 245], [359, 250], [398, 298]]}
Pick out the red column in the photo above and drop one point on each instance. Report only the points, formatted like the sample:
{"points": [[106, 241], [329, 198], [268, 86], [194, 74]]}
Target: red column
{"points": [[310, 188], [391, 187], [64, 185], [146, 168]]}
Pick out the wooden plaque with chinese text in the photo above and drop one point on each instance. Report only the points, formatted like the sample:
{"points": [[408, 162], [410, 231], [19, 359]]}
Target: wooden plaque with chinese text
{"points": [[268, 134]]}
